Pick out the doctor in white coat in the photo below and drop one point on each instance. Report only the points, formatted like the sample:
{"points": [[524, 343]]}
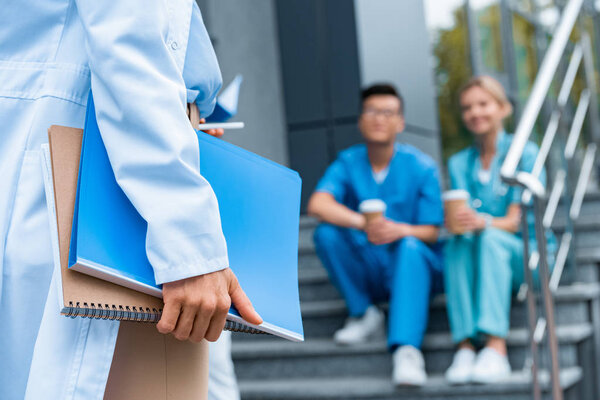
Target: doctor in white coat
{"points": [[144, 59]]}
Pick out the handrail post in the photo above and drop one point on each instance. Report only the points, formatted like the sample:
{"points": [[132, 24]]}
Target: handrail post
{"points": [[544, 277], [531, 306], [590, 75], [588, 64]]}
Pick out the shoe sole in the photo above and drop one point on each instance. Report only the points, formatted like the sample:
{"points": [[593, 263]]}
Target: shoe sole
{"points": [[480, 381], [458, 382], [375, 336], [409, 384]]}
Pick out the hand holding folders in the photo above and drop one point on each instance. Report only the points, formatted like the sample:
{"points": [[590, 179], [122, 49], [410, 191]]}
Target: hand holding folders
{"points": [[196, 308]]}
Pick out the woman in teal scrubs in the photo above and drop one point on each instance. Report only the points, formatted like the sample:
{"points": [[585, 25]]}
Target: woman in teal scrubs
{"points": [[485, 265]]}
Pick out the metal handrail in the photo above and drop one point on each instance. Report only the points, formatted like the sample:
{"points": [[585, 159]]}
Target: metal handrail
{"points": [[552, 128], [584, 177], [575, 132], [544, 212], [540, 89]]}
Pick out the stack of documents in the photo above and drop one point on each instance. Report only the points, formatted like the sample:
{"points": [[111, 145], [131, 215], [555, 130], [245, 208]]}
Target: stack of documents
{"points": [[259, 203]]}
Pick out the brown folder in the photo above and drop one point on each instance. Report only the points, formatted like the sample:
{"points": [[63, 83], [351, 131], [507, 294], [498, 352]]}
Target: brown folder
{"points": [[83, 294], [146, 364]]}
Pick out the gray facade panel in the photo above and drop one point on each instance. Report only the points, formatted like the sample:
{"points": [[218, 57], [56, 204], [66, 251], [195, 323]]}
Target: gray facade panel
{"points": [[309, 156], [394, 46], [427, 144], [346, 136], [302, 60], [245, 40], [343, 55]]}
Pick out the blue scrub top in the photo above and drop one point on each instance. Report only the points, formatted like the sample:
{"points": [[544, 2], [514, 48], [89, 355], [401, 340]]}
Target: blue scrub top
{"points": [[493, 197], [411, 190]]}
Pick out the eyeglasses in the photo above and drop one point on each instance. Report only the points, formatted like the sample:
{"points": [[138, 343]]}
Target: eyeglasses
{"points": [[370, 112]]}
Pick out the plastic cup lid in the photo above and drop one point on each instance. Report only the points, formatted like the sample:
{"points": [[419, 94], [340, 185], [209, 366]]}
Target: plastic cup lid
{"points": [[372, 206], [458, 194]]}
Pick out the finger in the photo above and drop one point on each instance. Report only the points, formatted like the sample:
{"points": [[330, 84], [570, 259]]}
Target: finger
{"points": [[185, 323], [168, 320], [464, 227], [219, 132], [201, 323], [377, 223], [217, 324], [379, 239], [463, 220], [461, 211], [242, 303]]}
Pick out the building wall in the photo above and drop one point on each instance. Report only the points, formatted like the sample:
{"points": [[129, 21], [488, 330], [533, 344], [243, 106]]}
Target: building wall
{"points": [[394, 46], [319, 61], [245, 38], [304, 62]]}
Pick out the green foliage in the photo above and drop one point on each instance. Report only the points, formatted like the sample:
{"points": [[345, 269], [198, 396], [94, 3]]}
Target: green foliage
{"points": [[453, 69]]}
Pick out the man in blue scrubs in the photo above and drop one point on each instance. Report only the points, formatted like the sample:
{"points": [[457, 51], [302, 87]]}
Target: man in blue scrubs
{"points": [[394, 257]]}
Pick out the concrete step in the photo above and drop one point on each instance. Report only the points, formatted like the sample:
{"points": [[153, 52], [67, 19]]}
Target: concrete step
{"points": [[323, 318], [275, 358], [315, 285], [588, 255], [518, 387]]}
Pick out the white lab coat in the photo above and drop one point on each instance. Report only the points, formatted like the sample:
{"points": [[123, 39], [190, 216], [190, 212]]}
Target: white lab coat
{"points": [[144, 59], [222, 382]]}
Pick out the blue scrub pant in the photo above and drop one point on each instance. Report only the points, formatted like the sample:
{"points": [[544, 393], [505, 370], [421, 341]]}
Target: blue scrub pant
{"points": [[405, 273], [481, 273]]}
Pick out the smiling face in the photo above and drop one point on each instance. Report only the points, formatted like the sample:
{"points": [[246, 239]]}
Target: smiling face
{"points": [[481, 112], [381, 119]]}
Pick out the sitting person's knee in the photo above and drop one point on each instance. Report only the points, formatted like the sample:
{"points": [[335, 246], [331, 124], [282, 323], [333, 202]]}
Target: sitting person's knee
{"points": [[326, 233], [491, 234], [412, 243]]}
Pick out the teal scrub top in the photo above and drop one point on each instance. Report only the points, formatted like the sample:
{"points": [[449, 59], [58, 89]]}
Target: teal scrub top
{"points": [[493, 197], [411, 189]]}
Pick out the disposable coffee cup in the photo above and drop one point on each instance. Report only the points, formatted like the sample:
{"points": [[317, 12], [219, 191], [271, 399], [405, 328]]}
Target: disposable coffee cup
{"points": [[453, 201], [372, 209]]}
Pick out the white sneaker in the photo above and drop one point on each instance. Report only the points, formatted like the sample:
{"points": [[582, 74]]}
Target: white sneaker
{"points": [[358, 330], [409, 367], [490, 367], [461, 368]]}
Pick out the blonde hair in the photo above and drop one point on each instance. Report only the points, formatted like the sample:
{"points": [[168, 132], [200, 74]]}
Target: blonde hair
{"points": [[492, 86]]}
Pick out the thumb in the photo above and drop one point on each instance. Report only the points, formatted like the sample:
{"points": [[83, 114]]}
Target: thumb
{"points": [[242, 302]]}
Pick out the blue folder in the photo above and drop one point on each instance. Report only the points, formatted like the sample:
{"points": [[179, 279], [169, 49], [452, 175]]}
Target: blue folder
{"points": [[259, 203]]}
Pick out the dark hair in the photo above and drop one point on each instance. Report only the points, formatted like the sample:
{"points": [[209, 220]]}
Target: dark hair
{"points": [[382, 89]]}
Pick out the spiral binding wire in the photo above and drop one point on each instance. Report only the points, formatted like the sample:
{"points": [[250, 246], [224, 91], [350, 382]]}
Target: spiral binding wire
{"points": [[239, 327], [137, 314]]}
